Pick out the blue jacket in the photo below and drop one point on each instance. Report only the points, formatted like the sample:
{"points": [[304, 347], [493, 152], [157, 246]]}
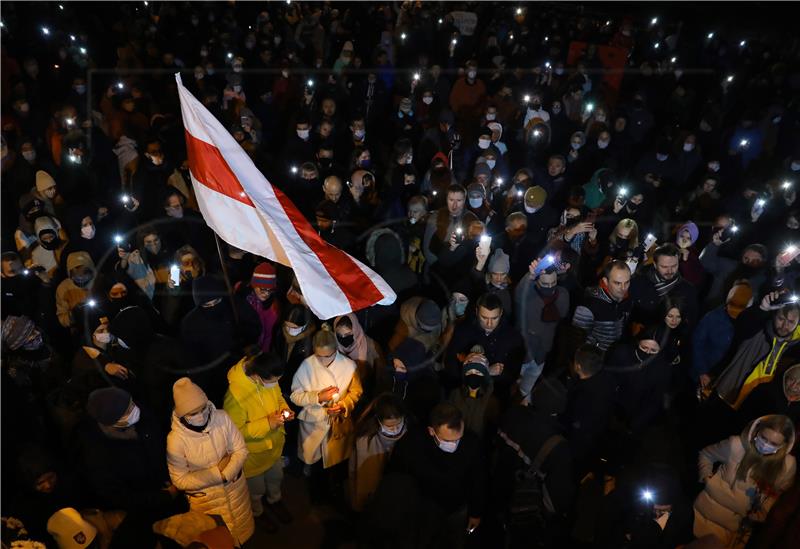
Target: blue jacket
{"points": [[712, 339]]}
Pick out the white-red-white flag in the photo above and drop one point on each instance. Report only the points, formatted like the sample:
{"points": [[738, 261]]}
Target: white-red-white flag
{"points": [[245, 210]]}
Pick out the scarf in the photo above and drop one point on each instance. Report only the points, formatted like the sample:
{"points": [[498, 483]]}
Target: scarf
{"points": [[663, 287], [267, 316], [550, 311], [358, 351]]}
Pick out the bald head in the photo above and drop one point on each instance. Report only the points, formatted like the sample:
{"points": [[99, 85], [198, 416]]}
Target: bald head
{"points": [[332, 187]]}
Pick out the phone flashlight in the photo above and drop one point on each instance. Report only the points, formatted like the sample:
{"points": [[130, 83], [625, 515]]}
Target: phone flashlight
{"points": [[117, 239], [734, 229], [786, 185], [293, 169], [335, 396], [760, 202], [547, 64], [623, 191], [654, 21], [120, 85], [459, 231], [26, 272], [744, 143], [647, 495], [710, 35], [729, 79], [589, 107], [527, 98], [285, 414], [656, 45], [91, 303], [416, 76], [125, 198], [403, 36], [519, 193], [435, 193], [454, 41], [230, 55], [537, 133]]}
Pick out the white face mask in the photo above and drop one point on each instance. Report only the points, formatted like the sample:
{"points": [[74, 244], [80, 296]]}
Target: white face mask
{"points": [[484, 143], [796, 166], [601, 144], [199, 419], [428, 99], [156, 160], [600, 118], [393, 432], [575, 146], [448, 446], [476, 202], [295, 331], [359, 134], [409, 158], [661, 157], [303, 134], [88, 231], [529, 209], [491, 116], [688, 147], [412, 220], [472, 74], [103, 338], [491, 164], [131, 419], [30, 156], [714, 166]]}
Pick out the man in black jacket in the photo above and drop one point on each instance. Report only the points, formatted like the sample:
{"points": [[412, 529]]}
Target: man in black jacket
{"points": [[652, 284], [590, 405], [501, 343], [121, 452], [447, 463], [604, 312]]}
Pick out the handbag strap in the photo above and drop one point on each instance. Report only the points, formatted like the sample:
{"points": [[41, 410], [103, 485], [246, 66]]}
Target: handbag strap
{"points": [[541, 455]]}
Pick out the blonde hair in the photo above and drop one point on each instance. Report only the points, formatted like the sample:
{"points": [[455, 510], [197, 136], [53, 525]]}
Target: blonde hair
{"points": [[633, 238], [325, 338], [765, 469]]}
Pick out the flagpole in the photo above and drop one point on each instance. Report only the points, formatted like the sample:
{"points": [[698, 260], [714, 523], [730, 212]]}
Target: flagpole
{"points": [[227, 279]]}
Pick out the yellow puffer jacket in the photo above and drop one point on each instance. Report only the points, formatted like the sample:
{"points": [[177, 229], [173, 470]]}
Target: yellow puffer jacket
{"points": [[249, 403]]}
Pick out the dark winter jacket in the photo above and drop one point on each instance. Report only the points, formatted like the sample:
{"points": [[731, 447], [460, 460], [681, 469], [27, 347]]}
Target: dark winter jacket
{"points": [[602, 319]]}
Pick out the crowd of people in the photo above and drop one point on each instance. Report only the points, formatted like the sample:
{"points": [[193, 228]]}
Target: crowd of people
{"points": [[589, 220]]}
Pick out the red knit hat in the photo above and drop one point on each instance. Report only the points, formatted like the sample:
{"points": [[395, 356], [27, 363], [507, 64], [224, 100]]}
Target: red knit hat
{"points": [[264, 276]]}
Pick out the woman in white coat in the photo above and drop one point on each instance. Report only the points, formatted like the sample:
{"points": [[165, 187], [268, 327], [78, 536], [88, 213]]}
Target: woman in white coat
{"points": [[327, 388], [754, 469], [205, 456]]}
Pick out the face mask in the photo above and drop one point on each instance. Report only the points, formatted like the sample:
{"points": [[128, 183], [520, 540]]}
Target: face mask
{"points": [[177, 213], [295, 331], [473, 382], [764, 447], [602, 144], [365, 163], [30, 156], [393, 432], [484, 143], [460, 307], [52, 245], [156, 160], [559, 71], [359, 134], [530, 210], [491, 164], [303, 134], [409, 158], [88, 231], [103, 337], [661, 157], [796, 166], [472, 74], [688, 147], [545, 292], [600, 118], [50, 193], [476, 202], [198, 420], [448, 446], [713, 166], [412, 220], [82, 281], [80, 89], [427, 99], [535, 107], [500, 285], [556, 109], [132, 418], [491, 116], [575, 146], [346, 341]]}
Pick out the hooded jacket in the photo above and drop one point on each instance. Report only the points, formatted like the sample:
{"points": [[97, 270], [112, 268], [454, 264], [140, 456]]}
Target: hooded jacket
{"points": [[772, 398], [193, 458], [68, 294], [725, 501], [386, 255], [249, 403], [756, 359]]}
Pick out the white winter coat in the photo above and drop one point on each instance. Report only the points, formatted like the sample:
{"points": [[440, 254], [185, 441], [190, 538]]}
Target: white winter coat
{"points": [[192, 459], [320, 436]]}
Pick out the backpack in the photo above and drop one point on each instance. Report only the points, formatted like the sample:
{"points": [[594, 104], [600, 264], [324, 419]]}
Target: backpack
{"points": [[530, 504]]}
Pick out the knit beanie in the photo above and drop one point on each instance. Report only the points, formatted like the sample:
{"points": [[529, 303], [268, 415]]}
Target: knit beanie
{"points": [[108, 405], [70, 529], [16, 331], [499, 263], [187, 396], [264, 276], [44, 181]]}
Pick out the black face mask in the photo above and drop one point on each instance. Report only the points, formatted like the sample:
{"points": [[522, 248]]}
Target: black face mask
{"points": [[52, 245], [325, 163], [545, 292], [82, 281], [473, 382], [346, 341], [311, 182], [622, 243]]}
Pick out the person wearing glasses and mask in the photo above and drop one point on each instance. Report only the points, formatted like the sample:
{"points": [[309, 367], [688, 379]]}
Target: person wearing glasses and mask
{"points": [[327, 388]]}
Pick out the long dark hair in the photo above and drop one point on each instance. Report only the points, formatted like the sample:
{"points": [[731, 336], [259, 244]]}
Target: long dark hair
{"points": [[383, 406]]}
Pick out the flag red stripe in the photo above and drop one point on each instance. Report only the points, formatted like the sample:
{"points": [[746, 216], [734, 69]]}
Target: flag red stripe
{"points": [[209, 168]]}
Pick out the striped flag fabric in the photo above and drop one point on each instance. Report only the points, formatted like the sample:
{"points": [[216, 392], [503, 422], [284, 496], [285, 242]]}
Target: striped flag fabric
{"points": [[245, 210]]}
